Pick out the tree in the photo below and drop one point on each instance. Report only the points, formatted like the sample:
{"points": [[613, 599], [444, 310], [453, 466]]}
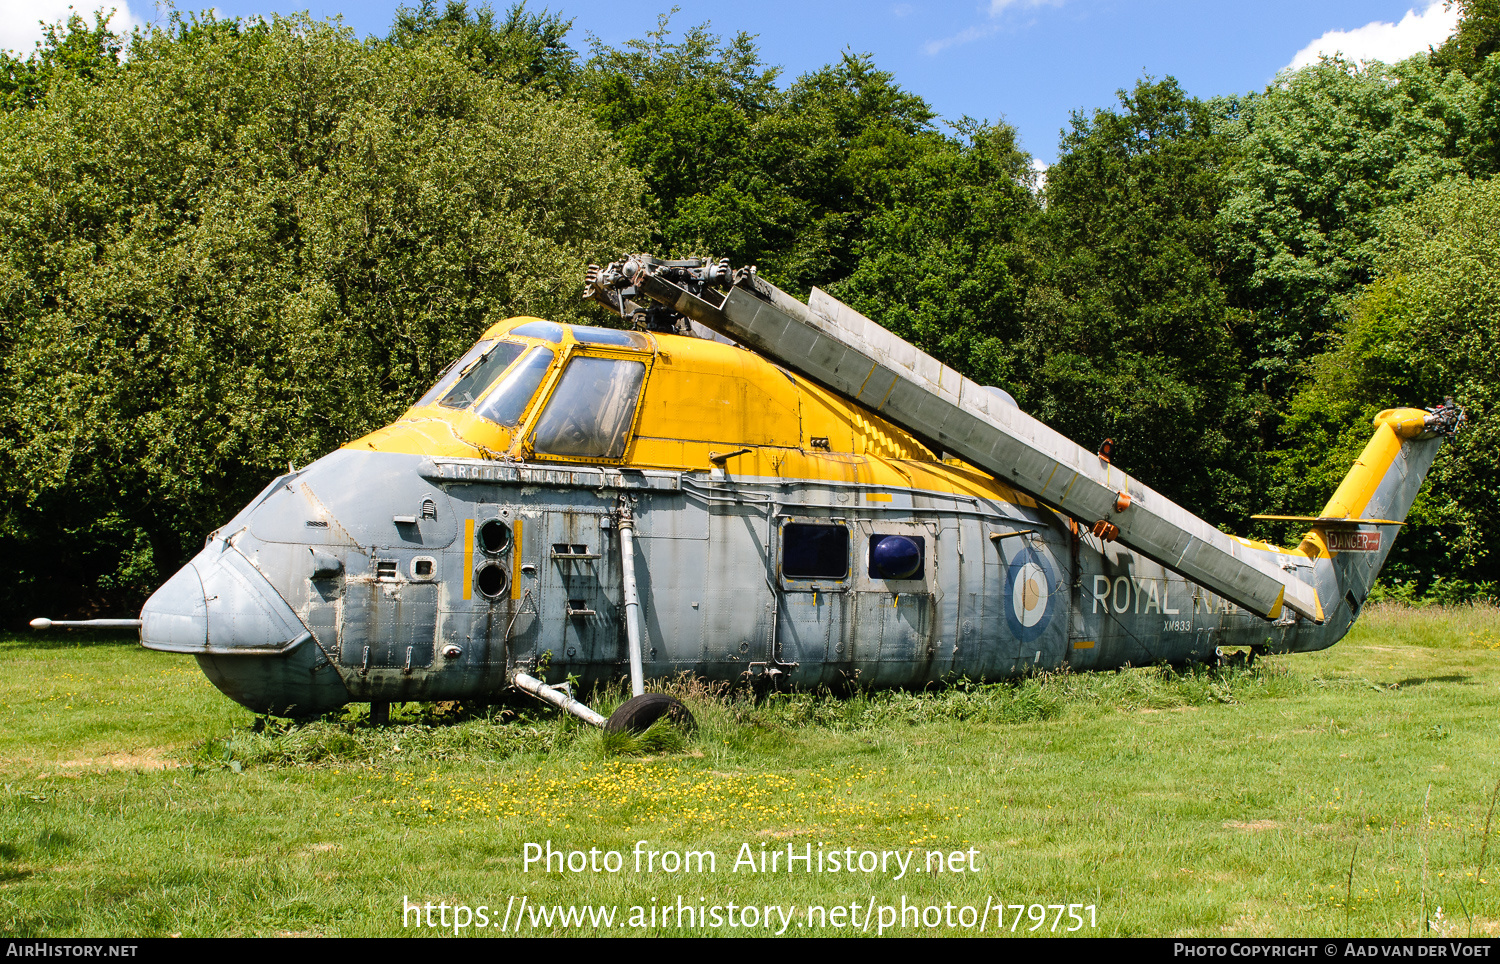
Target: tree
{"points": [[685, 114], [249, 247], [1320, 154], [846, 144], [68, 47], [1425, 328], [527, 49], [1130, 334], [1477, 36], [809, 182], [944, 261], [841, 181]]}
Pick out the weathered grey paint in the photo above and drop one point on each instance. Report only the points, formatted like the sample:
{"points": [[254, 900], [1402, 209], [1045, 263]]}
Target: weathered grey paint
{"points": [[365, 575], [274, 629]]}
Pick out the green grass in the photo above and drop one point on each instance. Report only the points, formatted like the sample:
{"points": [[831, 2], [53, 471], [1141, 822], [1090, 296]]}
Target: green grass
{"points": [[1346, 792]]}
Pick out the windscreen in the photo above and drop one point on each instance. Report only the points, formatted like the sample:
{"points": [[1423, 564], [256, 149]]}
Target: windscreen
{"points": [[610, 336], [481, 372], [590, 412], [547, 330], [508, 402], [453, 373]]}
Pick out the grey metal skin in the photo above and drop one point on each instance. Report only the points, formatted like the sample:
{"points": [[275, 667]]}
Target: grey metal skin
{"points": [[310, 597]]}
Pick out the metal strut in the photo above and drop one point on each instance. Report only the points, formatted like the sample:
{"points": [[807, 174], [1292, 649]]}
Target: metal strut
{"points": [[632, 597], [558, 698]]}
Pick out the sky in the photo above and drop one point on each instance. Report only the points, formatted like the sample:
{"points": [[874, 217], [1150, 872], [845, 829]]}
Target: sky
{"points": [[1030, 63]]}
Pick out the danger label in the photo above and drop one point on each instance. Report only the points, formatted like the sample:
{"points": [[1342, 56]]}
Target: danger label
{"points": [[1354, 541]]}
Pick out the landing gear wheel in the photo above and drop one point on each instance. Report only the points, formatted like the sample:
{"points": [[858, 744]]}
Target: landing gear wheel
{"points": [[1234, 660], [637, 714]]}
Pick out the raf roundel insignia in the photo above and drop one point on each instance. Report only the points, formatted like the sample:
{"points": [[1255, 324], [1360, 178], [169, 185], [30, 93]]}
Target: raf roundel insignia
{"points": [[1029, 588]]}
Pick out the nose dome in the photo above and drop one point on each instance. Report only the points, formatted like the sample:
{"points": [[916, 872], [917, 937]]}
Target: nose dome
{"points": [[219, 603], [175, 618], [249, 642]]}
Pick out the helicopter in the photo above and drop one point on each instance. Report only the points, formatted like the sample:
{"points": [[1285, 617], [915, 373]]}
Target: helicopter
{"points": [[739, 485]]}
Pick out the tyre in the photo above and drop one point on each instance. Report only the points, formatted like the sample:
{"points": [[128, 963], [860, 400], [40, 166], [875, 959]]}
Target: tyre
{"points": [[636, 714]]}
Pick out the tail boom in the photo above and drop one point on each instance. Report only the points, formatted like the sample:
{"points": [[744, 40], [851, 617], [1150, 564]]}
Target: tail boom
{"points": [[1353, 535]]}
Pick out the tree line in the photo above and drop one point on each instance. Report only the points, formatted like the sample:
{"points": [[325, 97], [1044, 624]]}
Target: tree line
{"points": [[230, 245]]}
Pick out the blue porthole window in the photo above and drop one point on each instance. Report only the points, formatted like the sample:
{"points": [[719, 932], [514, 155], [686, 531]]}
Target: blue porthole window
{"points": [[897, 557]]}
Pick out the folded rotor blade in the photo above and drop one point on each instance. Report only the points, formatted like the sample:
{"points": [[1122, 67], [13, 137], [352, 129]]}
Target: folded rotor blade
{"points": [[848, 353]]}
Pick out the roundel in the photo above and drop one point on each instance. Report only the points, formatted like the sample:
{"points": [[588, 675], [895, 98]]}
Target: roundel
{"points": [[1029, 591]]}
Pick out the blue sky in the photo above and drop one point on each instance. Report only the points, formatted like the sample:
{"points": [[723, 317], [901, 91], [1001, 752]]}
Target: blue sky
{"points": [[1029, 62]]}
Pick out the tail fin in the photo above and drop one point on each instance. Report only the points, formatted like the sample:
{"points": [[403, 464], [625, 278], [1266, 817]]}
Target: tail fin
{"points": [[1380, 488]]}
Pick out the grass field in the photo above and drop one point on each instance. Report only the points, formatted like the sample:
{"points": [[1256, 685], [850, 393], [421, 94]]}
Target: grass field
{"points": [[1348, 792]]}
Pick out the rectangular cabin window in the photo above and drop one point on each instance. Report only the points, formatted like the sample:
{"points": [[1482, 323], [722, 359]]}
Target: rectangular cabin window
{"points": [[590, 412], [810, 551]]}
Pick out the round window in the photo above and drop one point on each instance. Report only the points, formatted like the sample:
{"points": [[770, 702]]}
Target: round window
{"points": [[491, 580], [494, 536]]}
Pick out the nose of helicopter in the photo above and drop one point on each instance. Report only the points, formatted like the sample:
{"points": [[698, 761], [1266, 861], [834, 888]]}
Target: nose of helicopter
{"points": [[220, 603], [175, 618], [248, 640]]}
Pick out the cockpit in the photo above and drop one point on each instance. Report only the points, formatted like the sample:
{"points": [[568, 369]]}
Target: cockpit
{"points": [[533, 389], [571, 391]]}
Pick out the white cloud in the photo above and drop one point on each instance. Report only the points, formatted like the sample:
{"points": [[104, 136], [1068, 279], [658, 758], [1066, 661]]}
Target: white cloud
{"points": [[962, 37], [998, 7], [21, 20], [1386, 42], [1039, 168], [992, 26]]}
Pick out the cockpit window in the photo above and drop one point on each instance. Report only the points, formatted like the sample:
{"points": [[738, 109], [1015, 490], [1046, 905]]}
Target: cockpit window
{"points": [[452, 374], [591, 410], [547, 330], [610, 336], [507, 403], [480, 373]]}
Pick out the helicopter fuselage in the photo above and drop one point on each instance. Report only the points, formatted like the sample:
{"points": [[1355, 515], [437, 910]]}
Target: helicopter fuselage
{"points": [[780, 532]]}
